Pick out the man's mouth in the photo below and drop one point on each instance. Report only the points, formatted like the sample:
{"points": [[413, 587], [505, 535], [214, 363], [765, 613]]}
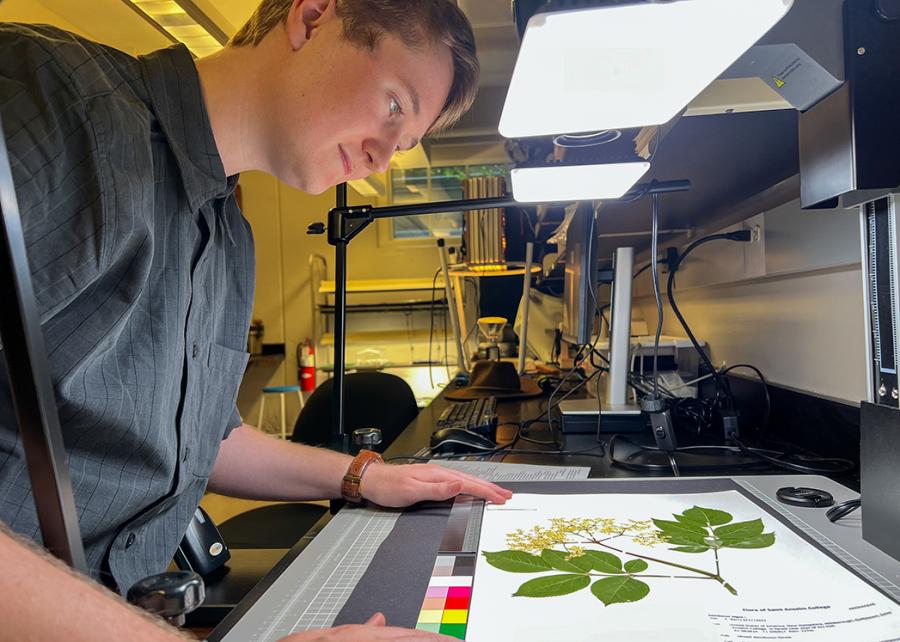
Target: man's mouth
{"points": [[346, 160]]}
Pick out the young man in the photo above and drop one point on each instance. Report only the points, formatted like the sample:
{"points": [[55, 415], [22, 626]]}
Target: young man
{"points": [[143, 270]]}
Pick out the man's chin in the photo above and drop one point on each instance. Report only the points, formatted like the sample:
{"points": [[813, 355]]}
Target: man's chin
{"points": [[311, 186]]}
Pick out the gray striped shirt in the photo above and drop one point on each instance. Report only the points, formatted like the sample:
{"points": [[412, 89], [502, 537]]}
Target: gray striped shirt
{"points": [[143, 270]]}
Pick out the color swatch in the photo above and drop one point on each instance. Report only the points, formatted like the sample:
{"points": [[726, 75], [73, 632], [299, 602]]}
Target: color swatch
{"points": [[445, 609]]}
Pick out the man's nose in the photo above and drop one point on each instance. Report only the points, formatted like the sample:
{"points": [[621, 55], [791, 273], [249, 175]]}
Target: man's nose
{"points": [[380, 151]]}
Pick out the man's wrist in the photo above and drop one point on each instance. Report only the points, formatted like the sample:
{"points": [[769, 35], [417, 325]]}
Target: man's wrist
{"points": [[352, 481]]}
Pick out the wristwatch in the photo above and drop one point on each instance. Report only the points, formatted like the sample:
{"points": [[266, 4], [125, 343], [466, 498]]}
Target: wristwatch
{"points": [[350, 485]]}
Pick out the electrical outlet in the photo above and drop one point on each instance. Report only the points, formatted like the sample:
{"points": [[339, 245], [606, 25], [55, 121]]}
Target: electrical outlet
{"points": [[755, 250]]}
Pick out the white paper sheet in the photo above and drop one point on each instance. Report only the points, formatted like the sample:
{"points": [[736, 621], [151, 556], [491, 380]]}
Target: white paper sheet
{"points": [[788, 590], [500, 472]]}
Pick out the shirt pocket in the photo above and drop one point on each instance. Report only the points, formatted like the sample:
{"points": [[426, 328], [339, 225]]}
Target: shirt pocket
{"points": [[224, 372]]}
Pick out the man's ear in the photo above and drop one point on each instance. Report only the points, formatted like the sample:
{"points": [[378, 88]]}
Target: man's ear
{"points": [[305, 17]]}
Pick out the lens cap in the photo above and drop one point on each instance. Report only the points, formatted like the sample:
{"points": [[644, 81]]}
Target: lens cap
{"points": [[808, 497]]}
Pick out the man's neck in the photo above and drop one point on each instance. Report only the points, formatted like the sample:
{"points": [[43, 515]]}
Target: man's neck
{"points": [[230, 82]]}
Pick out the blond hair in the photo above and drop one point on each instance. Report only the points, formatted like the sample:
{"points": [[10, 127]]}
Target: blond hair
{"points": [[416, 23]]}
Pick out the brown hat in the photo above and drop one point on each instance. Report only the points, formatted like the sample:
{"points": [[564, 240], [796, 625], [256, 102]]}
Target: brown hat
{"points": [[495, 379]]}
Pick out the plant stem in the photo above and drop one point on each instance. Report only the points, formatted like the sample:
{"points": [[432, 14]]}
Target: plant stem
{"points": [[637, 575], [715, 576]]}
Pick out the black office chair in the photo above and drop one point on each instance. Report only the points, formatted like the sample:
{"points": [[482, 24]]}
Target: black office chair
{"points": [[372, 400]]}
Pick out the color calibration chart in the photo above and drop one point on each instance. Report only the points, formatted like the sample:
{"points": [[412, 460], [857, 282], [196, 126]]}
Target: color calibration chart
{"points": [[445, 609]]}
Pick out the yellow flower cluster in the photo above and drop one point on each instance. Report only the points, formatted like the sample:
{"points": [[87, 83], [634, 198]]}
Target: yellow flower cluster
{"points": [[580, 530]]}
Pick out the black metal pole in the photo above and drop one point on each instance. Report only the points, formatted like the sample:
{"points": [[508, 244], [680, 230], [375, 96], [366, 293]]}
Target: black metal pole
{"points": [[31, 387], [340, 331]]}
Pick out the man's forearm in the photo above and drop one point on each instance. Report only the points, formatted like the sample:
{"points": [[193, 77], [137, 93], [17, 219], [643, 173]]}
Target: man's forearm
{"points": [[42, 599], [253, 465]]}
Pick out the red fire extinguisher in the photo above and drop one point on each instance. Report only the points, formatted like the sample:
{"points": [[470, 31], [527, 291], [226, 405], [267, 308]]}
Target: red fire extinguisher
{"points": [[307, 366]]}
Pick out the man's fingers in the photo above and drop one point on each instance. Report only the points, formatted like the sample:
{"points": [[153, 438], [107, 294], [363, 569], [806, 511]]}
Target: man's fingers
{"points": [[471, 485], [438, 491], [376, 620]]}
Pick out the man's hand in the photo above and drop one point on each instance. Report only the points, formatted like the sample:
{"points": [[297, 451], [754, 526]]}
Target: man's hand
{"points": [[373, 630], [396, 486]]}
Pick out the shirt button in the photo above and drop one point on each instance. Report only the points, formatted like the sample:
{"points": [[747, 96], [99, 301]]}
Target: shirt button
{"points": [[195, 351], [130, 540]]}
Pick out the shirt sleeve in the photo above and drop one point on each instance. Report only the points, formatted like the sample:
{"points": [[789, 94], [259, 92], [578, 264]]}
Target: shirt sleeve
{"points": [[233, 422], [52, 154]]}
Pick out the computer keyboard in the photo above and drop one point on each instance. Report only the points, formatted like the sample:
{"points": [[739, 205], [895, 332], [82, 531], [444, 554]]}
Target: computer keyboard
{"points": [[476, 415]]}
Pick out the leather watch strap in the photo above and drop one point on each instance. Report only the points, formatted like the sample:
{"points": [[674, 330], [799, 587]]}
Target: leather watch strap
{"points": [[350, 485]]}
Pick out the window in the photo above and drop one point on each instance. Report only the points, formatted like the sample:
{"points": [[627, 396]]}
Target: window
{"points": [[428, 185]]}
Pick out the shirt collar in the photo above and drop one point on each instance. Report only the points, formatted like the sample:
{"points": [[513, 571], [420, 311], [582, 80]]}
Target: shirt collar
{"points": [[177, 100]]}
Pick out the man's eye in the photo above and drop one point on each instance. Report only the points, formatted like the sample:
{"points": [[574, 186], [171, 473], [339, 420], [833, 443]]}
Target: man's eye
{"points": [[394, 107]]}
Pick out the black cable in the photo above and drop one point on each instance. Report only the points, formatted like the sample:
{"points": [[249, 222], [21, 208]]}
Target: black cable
{"points": [[644, 268], [550, 407], [587, 452], [673, 464], [628, 463], [741, 236], [768, 411], [840, 511], [670, 286], [840, 465], [654, 241]]}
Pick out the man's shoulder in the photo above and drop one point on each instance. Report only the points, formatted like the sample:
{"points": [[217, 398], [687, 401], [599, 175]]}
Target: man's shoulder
{"points": [[45, 56]]}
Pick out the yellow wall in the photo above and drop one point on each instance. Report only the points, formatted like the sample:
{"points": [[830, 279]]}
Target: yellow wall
{"points": [[34, 12]]}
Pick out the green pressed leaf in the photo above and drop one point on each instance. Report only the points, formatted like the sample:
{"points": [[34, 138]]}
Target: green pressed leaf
{"points": [[604, 562], [690, 549], [680, 528], [517, 562], [552, 585], [635, 566], [681, 534], [616, 590], [740, 530], [694, 540], [557, 559], [760, 541], [705, 516]]}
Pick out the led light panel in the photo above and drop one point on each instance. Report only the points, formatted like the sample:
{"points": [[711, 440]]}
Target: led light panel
{"points": [[172, 18], [575, 182], [617, 67]]}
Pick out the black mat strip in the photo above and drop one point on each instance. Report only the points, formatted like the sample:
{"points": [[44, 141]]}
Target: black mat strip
{"points": [[396, 580]]}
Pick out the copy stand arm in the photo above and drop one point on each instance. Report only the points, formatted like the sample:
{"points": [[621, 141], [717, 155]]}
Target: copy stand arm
{"points": [[344, 223]]}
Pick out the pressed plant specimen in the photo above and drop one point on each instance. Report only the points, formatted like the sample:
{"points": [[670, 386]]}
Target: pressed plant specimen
{"points": [[573, 553]]}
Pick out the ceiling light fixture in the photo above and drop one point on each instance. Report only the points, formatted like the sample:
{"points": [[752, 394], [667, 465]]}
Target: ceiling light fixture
{"points": [[181, 21]]}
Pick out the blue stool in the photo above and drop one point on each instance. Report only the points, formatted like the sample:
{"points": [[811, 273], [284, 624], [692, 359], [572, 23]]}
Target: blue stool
{"points": [[281, 391]]}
